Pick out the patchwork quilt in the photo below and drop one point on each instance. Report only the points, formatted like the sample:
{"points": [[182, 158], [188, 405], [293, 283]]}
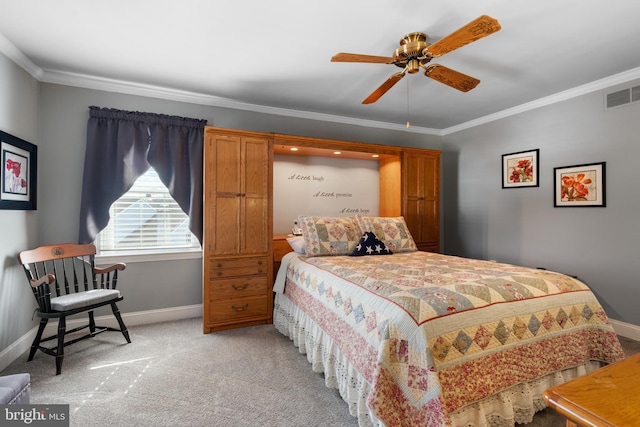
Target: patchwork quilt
{"points": [[433, 333]]}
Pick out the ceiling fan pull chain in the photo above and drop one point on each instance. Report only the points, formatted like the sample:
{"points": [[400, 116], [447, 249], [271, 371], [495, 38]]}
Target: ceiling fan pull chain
{"points": [[408, 110]]}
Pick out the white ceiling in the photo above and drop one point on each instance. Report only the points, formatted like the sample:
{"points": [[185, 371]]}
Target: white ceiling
{"points": [[275, 54]]}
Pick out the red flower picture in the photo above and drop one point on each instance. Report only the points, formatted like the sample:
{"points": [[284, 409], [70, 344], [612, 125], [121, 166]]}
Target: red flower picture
{"points": [[576, 187], [520, 169], [581, 185]]}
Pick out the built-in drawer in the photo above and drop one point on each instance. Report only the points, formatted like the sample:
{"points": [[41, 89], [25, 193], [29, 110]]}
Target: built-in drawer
{"points": [[241, 308], [230, 267], [238, 287]]}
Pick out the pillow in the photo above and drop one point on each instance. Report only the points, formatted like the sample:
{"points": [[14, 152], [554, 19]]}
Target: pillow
{"points": [[370, 245], [297, 244], [329, 235], [393, 231]]}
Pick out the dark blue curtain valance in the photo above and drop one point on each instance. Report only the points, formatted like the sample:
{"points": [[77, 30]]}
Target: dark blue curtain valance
{"points": [[122, 145]]}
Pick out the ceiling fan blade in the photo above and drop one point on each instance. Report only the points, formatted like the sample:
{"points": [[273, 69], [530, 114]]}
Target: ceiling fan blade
{"points": [[474, 30], [384, 87], [355, 57], [450, 77]]}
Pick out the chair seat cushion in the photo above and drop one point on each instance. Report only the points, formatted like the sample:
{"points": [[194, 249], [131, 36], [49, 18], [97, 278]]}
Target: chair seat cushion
{"points": [[15, 389], [83, 299]]}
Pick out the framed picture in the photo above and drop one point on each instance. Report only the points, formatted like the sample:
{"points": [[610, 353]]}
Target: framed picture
{"points": [[19, 173], [520, 169], [580, 185]]}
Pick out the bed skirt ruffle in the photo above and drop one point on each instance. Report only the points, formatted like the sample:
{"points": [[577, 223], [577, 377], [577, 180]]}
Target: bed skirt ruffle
{"points": [[515, 405]]}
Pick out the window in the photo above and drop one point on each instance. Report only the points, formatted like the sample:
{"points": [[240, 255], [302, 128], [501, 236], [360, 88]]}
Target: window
{"points": [[146, 219]]}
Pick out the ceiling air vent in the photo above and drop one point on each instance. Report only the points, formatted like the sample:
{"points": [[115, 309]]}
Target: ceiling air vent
{"points": [[635, 93], [622, 97], [616, 99]]}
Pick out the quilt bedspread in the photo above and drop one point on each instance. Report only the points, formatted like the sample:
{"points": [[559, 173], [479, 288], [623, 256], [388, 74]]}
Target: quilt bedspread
{"points": [[432, 333]]}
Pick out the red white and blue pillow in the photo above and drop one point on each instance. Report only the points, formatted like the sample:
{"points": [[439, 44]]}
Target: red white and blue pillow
{"points": [[369, 244]]}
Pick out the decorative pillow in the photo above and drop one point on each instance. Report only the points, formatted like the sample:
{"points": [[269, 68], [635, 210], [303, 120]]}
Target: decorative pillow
{"points": [[297, 244], [329, 235], [370, 245], [393, 231]]}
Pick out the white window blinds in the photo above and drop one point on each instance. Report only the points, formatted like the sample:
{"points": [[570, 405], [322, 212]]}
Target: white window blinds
{"points": [[146, 218]]}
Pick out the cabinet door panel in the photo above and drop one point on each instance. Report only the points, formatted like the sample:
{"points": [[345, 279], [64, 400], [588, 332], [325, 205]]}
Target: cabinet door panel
{"points": [[429, 233], [227, 165], [430, 177], [256, 164], [413, 176], [256, 233], [223, 228]]}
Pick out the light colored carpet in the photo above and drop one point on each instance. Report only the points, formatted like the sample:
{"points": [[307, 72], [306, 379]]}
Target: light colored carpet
{"points": [[174, 375]]}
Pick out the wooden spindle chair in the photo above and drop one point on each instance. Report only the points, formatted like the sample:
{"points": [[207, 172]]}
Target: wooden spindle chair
{"points": [[65, 281]]}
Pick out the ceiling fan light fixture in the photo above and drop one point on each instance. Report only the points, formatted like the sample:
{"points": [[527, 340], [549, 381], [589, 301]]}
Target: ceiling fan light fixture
{"points": [[413, 66]]}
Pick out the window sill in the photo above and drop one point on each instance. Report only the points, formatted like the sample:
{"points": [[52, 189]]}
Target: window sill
{"points": [[130, 257]]}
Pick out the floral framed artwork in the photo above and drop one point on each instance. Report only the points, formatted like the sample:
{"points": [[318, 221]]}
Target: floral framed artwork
{"points": [[19, 173], [580, 185], [520, 169]]}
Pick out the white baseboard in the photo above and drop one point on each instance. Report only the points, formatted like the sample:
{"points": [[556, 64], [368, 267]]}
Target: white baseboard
{"points": [[626, 330], [23, 344]]}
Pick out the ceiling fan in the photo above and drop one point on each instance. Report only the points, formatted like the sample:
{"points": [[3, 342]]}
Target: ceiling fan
{"points": [[415, 53]]}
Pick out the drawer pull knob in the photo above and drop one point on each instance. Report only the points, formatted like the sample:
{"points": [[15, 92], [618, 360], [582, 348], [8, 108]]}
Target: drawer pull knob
{"points": [[243, 308], [259, 270], [240, 288], [219, 273], [219, 265], [260, 262]]}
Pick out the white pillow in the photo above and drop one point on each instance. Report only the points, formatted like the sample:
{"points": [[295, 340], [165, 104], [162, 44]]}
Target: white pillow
{"points": [[297, 244]]}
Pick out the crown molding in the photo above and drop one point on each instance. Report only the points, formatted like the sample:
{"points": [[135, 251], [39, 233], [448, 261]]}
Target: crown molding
{"points": [[131, 88], [13, 53], [623, 77]]}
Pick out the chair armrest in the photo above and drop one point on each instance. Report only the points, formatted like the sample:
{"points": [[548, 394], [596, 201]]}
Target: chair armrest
{"points": [[44, 280], [109, 275], [105, 270]]}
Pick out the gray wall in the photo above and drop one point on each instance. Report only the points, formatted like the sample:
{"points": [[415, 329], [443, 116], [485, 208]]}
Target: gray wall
{"points": [[18, 229], [521, 225]]}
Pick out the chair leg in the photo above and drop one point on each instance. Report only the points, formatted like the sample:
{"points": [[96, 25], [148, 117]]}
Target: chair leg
{"points": [[92, 324], [123, 328], [62, 327], [36, 341]]}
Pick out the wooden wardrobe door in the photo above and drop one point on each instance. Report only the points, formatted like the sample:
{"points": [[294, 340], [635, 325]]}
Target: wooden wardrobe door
{"points": [[421, 199]]}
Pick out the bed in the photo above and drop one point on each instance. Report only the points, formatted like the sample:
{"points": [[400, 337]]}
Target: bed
{"points": [[415, 338]]}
